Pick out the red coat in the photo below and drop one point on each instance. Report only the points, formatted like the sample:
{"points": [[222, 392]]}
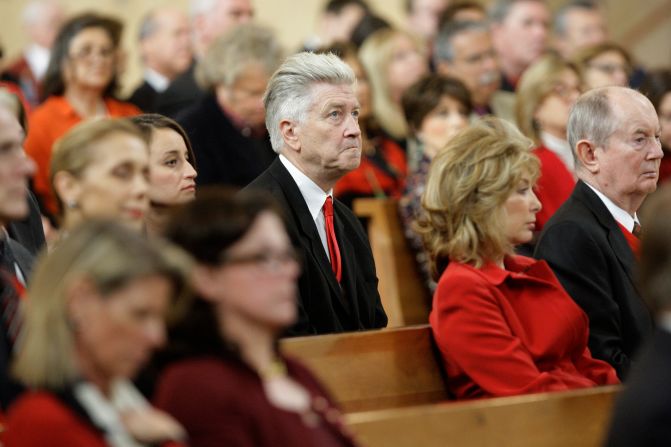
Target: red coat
{"points": [[513, 331], [554, 185], [41, 419], [372, 178]]}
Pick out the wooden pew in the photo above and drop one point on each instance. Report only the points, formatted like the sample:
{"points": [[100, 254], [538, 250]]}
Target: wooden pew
{"points": [[374, 369], [574, 418], [401, 288]]}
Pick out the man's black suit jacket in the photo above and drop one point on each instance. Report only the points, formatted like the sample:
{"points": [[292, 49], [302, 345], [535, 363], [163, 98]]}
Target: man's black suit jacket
{"points": [[643, 411], [182, 93], [144, 97], [325, 306], [588, 252]]}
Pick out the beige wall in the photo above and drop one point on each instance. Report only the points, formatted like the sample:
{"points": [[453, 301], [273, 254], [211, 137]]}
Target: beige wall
{"points": [[644, 27]]}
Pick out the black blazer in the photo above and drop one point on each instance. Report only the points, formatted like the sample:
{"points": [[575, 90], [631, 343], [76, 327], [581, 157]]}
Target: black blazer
{"points": [[144, 97], [223, 154], [643, 410], [325, 306], [585, 247], [182, 93]]}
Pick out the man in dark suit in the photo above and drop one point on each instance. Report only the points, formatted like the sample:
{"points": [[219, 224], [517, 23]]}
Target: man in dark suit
{"points": [[643, 410], [591, 242], [15, 171], [165, 46], [209, 20], [312, 117]]}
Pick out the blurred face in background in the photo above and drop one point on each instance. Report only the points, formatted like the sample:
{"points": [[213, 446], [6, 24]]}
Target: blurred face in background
{"points": [[665, 120], [553, 111], [91, 60], [117, 333], [407, 65], [15, 169], [584, 28], [168, 49], [441, 124], [256, 281], [608, 68], [522, 36], [244, 97], [475, 64]]}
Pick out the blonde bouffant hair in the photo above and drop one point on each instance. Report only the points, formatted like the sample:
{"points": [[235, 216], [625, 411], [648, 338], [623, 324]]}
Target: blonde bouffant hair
{"points": [[468, 183]]}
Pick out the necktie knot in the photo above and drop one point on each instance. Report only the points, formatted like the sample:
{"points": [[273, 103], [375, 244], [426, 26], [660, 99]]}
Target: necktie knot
{"points": [[328, 207], [637, 230]]}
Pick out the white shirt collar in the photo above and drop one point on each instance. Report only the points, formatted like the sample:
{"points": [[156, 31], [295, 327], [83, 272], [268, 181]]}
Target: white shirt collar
{"points": [[664, 320], [314, 196], [37, 58], [620, 215], [157, 81], [560, 147]]}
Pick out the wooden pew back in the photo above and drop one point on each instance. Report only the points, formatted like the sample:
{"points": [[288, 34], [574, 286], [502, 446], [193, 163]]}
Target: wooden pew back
{"points": [[575, 418], [403, 294], [374, 369]]}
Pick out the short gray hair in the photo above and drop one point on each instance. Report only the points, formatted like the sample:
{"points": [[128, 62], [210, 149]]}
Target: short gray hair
{"points": [[443, 48], [560, 21], [148, 25], [499, 10], [289, 92], [229, 54], [200, 7], [592, 119]]}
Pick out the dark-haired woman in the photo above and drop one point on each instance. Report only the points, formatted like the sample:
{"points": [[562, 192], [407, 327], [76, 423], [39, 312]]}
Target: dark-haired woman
{"points": [[230, 385], [79, 84]]}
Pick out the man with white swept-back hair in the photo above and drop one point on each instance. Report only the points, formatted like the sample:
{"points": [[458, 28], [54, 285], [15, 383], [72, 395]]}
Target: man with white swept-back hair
{"points": [[591, 242], [312, 117]]}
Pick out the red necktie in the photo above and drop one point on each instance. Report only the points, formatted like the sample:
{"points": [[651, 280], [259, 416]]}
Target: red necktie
{"points": [[331, 241]]}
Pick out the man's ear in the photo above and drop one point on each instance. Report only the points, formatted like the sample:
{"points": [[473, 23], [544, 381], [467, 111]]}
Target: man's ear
{"points": [[587, 155], [290, 132]]}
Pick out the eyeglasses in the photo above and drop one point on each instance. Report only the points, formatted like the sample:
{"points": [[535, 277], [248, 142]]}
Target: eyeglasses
{"points": [[268, 261], [610, 69], [566, 91], [87, 53]]}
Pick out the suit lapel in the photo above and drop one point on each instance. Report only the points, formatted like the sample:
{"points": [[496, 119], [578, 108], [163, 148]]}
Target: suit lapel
{"points": [[616, 239], [306, 226]]}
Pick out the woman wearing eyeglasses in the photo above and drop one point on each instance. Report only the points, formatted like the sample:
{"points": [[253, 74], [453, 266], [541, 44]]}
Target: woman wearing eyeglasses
{"points": [[80, 84], [604, 64], [546, 92], [227, 383]]}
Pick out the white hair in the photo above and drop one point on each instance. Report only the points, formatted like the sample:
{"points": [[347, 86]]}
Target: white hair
{"points": [[289, 91]]}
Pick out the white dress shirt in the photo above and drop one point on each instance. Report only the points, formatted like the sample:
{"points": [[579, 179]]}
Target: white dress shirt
{"points": [[561, 148], [157, 81], [621, 216], [37, 58], [314, 197]]}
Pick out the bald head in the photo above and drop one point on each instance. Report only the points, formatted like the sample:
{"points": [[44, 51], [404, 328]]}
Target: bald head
{"points": [[614, 133], [165, 41], [42, 19]]}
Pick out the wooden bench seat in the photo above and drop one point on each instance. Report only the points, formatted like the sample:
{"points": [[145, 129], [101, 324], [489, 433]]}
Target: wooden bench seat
{"points": [[576, 418], [374, 369], [402, 291]]}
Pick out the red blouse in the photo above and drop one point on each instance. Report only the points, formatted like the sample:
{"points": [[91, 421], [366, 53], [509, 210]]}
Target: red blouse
{"points": [[46, 125], [554, 185], [513, 331]]}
